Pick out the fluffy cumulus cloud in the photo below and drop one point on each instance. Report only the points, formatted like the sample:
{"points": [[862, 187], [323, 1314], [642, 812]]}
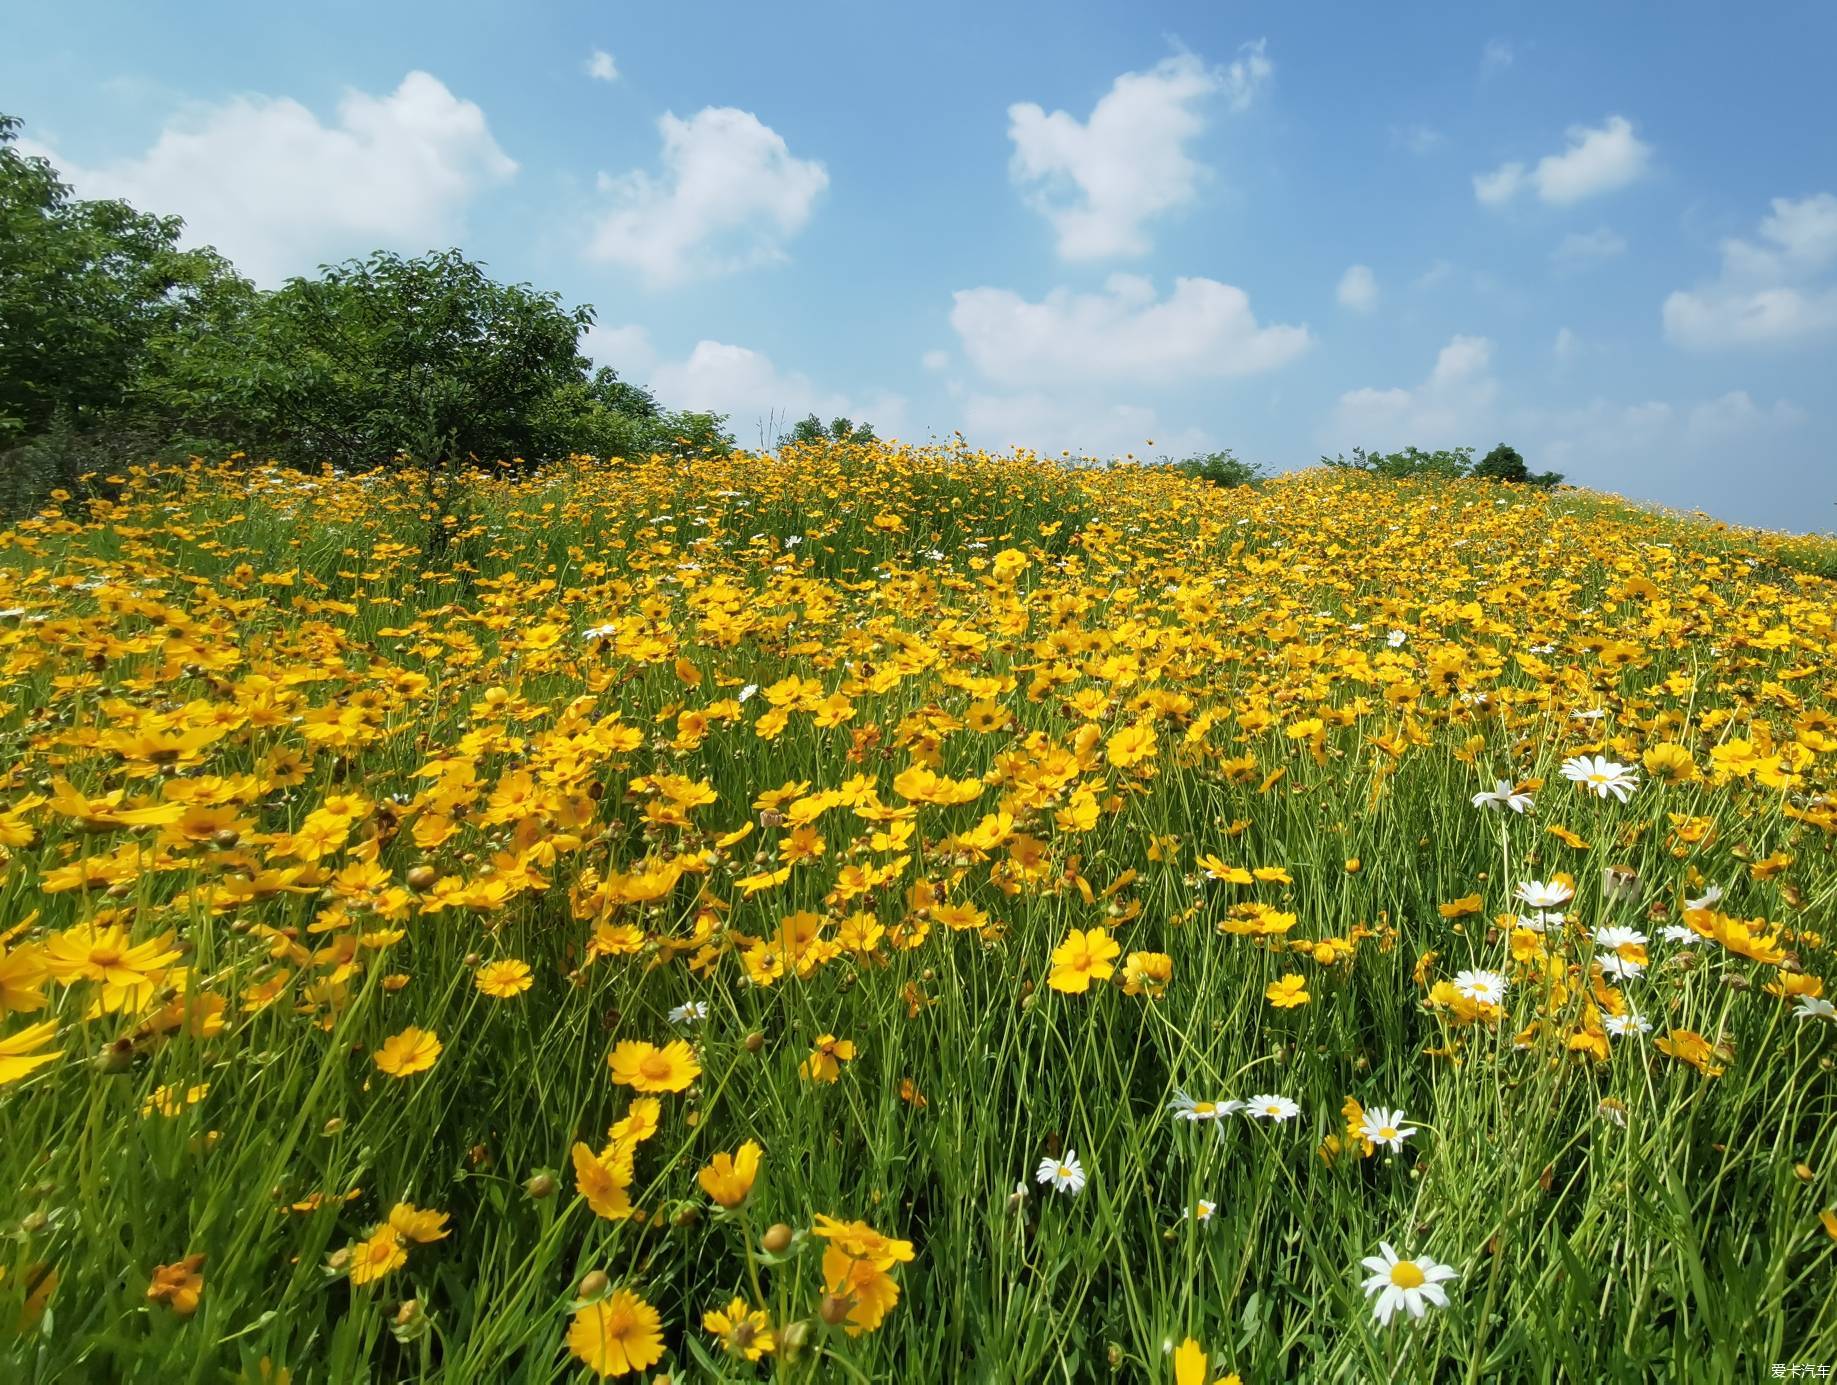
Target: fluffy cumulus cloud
{"points": [[279, 190], [1774, 290], [746, 386], [1050, 422], [1446, 410], [601, 67], [1598, 159], [1202, 330], [729, 195], [1358, 289], [1099, 181]]}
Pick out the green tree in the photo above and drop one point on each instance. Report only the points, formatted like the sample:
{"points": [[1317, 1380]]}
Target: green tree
{"points": [[811, 430], [1221, 468], [377, 355], [97, 305]]}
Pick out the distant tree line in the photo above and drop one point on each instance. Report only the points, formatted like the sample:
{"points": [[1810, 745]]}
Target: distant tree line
{"points": [[117, 345], [1503, 463]]}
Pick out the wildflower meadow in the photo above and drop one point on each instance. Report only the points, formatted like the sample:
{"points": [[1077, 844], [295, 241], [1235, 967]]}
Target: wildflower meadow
{"points": [[871, 913]]}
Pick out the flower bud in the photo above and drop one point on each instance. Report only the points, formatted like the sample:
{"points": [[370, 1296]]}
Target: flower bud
{"points": [[833, 1309], [540, 1185], [755, 1041], [593, 1284], [777, 1238]]}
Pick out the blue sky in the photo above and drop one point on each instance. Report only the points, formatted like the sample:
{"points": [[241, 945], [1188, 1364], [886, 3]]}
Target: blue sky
{"points": [[1605, 234]]}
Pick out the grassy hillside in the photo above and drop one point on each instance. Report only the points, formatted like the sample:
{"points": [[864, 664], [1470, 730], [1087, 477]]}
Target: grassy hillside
{"points": [[1073, 917]]}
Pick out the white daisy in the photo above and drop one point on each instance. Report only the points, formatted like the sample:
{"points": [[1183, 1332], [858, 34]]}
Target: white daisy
{"points": [[1812, 1007], [1481, 987], [1503, 795], [1615, 936], [1601, 776], [1272, 1108], [1386, 1127], [1396, 638], [1709, 899], [1620, 968], [1540, 895], [689, 1012], [1678, 933], [747, 693], [1627, 1026], [1399, 1283], [1203, 1210], [1066, 1175], [1186, 1108]]}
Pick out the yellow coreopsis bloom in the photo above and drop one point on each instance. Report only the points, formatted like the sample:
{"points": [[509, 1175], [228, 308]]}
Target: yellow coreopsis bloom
{"points": [[179, 1286], [648, 1068], [16, 1055], [405, 1054], [1289, 992], [826, 1058], [744, 1331], [728, 1178], [617, 1335], [1081, 959]]}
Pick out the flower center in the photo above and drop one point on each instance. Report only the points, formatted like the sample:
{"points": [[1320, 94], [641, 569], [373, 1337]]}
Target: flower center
{"points": [[1405, 1275], [656, 1067], [1387, 1132], [105, 956]]}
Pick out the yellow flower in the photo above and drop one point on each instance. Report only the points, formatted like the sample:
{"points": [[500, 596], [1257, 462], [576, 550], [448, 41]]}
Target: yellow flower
{"points": [[729, 1178], [744, 1332], [1081, 959], [604, 1182], [412, 1051], [1460, 908], [1190, 1366], [16, 1056], [1286, 994], [88, 953], [379, 1254], [22, 975], [825, 1061], [647, 1068], [418, 1223], [179, 1286], [641, 1120], [502, 980], [1147, 973], [617, 1335]]}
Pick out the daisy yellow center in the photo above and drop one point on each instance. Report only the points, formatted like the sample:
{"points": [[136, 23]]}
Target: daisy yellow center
{"points": [[1405, 1275], [1064, 1172], [1204, 1108], [1387, 1132]]}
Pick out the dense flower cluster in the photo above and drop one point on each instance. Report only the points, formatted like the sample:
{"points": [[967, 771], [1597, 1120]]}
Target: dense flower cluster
{"points": [[701, 795]]}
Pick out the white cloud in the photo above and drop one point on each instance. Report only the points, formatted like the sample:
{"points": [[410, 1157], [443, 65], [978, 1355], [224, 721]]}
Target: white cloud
{"points": [[935, 360], [730, 194], [745, 385], [1358, 289], [601, 67], [1204, 329], [1566, 346], [1500, 186], [277, 190], [1579, 250], [1099, 181], [1050, 423], [1773, 293], [1599, 159], [1445, 410], [626, 349], [1496, 56], [1247, 73]]}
